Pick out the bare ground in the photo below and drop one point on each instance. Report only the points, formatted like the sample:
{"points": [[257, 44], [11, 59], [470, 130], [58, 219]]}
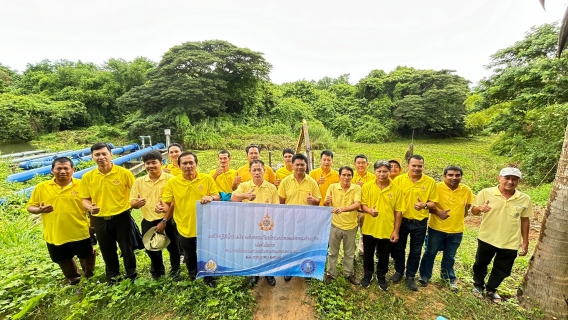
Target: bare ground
{"points": [[286, 300]]}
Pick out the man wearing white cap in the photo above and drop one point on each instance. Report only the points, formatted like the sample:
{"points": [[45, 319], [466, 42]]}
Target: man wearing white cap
{"points": [[506, 212]]}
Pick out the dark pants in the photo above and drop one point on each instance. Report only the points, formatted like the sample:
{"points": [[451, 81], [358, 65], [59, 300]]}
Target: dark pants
{"points": [[157, 268], [382, 247], [416, 229], [113, 230], [502, 265], [448, 243], [189, 246]]}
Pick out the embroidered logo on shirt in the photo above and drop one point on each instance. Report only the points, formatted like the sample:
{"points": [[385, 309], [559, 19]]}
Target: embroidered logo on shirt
{"points": [[116, 182], [200, 187], [74, 193], [389, 195], [423, 188]]}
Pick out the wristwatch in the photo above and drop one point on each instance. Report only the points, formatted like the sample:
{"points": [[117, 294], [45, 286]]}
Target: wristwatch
{"points": [[165, 221], [426, 206]]}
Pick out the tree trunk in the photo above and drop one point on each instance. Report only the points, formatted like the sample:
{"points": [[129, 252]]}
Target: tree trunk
{"points": [[545, 285]]}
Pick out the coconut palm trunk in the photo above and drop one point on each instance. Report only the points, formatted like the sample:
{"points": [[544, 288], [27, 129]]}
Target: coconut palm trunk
{"points": [[545, 285]]}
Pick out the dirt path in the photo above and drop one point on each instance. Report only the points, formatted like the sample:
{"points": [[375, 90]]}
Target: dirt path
{"points": [[287, 300]]}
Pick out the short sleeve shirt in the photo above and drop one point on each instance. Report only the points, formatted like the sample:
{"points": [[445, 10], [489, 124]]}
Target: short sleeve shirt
{"points": [[386, 201], [425, 188], [266, 193], [454, 200], [340, 198], [244, 173], [152, 192], [331, 177], [110, 192], [297, 193], [225, 180]]}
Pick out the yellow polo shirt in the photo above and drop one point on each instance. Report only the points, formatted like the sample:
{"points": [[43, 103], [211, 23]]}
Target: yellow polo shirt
{"points": [[185, 193], [331, 177], [266, 193], [454, 200], [175, 171], [109, 191], [366, 178], [386, 201], [152, 192], [68, 221], [296, 193], [425, 188], [282, 173], [225, 180], [501, 227], [339, 198], [244, 173]]}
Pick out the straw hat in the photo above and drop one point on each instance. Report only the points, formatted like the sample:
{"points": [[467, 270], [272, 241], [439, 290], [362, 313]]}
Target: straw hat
{"points": [[154, 241]]}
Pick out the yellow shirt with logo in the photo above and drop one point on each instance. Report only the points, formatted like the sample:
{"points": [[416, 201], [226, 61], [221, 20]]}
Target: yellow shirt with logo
{"points": [[152, 192], [297, 193], [386, 201], [283, 172], [331, 177], [425, 188], [366, 178], [68, 221], [454, 200], [225, 180], [501, 226], [184, 193], [175, 171], [340, 198], [244, 173], [110, 192], [266, 193]]}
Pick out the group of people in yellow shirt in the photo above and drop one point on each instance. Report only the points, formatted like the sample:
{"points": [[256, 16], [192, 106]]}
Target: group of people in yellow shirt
{"points": [[388, 207]]}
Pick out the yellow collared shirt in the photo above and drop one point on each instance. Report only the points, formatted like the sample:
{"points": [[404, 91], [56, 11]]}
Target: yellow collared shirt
{"points": [[68, 221], [386, 201], [244, 173], [425, 188], [225, 180], [175, 171], [184, 193], [110, 192], [266, 193], [501, 227], [331, 177], [454, 200], [282, 173], [366, 178], [152, 192], [297, 193], [340, 198]]}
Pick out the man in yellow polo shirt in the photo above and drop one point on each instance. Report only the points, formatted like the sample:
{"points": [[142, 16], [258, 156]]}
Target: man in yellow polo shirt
{"points": [[360, 177], [257, 190], [174, 150], [183, 191], [105, 191], [224, 176], [243, 173], [383, 203], [445, 227], [345, 198], [420, 195], [504, 228], [65, 221], [299, 188], [285, 170], [325, 175], [146, 194]]}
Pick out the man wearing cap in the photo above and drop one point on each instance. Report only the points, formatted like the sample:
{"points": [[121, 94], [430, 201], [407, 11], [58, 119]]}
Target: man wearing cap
{"points": [[504, 228], [445, 226], [257, 190], [325, 175], [65, 221], [285, 170], [105, 192], [224, 176], [146, 194], [243, 173], [420, 195]]}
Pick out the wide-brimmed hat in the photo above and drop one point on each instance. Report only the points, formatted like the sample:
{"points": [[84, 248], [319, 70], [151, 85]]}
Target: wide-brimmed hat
{"points": [[154, 241]]}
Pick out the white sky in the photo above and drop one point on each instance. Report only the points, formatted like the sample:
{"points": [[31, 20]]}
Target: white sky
{"points": [[302, 39]]}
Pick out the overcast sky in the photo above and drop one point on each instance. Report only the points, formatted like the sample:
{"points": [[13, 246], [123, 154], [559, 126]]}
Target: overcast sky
{"points": [[302, 39]]}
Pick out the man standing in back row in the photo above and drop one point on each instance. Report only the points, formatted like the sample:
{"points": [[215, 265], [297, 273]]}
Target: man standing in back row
{"points": [[325, 175], [243, 173]]}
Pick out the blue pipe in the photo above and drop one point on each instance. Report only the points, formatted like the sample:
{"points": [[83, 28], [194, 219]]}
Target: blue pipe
{"points": [[37, 156], [27, 175], [38, 162]]}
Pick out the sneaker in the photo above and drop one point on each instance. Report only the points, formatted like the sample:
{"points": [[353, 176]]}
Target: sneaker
{"points": [[411, 284], [328, 278], [253, 280], [383, 284], [396, 277], [271, 281], [454, 287], [478, 292], [181, 259], [353, 280], [366, 281], [423, 282], [287, 278]]}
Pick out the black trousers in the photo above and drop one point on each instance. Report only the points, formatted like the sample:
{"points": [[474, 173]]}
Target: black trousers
{"points": [[502, 265], [383, 248], [157, 268], [113, 230], [189, 246]]}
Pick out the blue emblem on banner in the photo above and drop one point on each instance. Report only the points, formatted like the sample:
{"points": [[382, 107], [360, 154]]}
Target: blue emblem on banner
{"points": [[308, 266]]}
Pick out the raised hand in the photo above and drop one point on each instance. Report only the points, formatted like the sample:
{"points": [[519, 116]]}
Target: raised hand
{"points": [[251, 195], [138, 203], [443, 214], [237, 180], [310, 199], [374, 212], [329, 199], [45, 208], [485, 207], [160, 208], [419, 205], [321, 180]]}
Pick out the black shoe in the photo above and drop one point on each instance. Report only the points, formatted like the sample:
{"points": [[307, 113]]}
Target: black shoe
{"points": [[253, 280], [423, 282], [396, 277], [287, 278], [366, 281], [211, 283], [175, 275], [411, 284], [271, 281], [383, 284], [353, 280], [327, 279]]}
